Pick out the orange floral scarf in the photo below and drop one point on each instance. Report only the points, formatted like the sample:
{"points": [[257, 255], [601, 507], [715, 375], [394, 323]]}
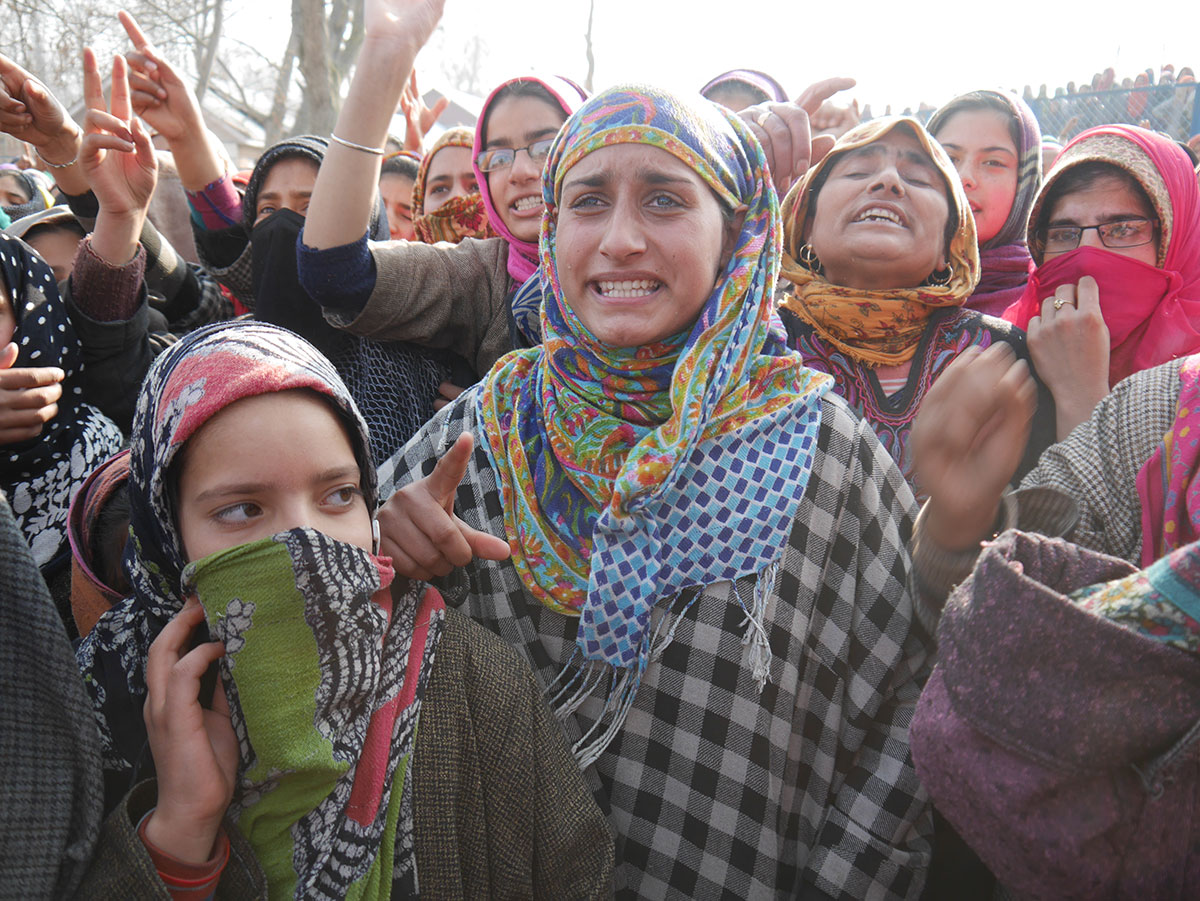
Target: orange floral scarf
{"points": [[875, 327]]}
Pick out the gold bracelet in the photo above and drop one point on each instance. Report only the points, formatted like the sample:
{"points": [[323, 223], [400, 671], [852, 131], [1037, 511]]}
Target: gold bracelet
{"points": [[374, 151]]}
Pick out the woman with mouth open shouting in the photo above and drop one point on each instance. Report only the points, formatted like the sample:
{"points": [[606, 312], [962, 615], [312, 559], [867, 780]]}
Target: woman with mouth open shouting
{"points": [[685, 534], [461, 297], [880, 250]]}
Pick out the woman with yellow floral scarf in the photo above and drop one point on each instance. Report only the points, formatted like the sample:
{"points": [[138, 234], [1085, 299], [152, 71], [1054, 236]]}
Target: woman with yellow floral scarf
{"points": [[879, 257]]}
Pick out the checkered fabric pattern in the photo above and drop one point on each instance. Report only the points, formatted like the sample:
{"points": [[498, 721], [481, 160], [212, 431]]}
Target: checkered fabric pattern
{"points": [[713, 788], [1097, 464]]}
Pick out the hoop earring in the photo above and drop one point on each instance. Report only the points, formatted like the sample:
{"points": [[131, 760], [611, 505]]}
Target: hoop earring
{"points": [[807, 257], [940, 278]]}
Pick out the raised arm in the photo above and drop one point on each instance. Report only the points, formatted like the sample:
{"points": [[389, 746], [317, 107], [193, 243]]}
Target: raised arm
{"points": [[166, 102], [31, 113], [340, 209]]}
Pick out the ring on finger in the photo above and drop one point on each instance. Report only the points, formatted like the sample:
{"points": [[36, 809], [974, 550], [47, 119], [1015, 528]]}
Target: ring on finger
{"points": [[762, 118], [1059, 303]]}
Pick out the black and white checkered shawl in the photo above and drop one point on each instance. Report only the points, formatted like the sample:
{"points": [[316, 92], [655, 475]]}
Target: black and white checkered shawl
{"points": [[713, 788]]}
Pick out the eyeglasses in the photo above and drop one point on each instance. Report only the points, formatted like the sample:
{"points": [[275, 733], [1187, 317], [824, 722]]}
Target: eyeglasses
{"points": [[1125, 233], [503, 157]]}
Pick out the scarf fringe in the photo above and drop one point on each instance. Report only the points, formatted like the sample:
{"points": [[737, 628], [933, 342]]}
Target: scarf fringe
{"points": [[582, 684], [756, 638]]}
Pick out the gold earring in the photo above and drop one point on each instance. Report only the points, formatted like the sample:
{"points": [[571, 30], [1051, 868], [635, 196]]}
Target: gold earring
{"points": [[807, 257], [940, 278]]}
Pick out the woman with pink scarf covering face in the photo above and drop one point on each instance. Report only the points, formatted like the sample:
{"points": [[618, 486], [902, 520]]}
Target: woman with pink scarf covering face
{"points": [[1115, 236]]}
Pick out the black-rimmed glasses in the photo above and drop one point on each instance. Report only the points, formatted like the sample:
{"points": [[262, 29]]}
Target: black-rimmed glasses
{"points": [[503, 157], [1123, 233]]}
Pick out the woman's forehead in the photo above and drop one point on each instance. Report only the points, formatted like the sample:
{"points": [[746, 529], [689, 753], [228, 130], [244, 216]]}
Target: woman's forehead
{"points": [[623, 162]]}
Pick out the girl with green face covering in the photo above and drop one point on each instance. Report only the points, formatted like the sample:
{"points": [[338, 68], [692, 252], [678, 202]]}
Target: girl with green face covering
{"points": [[252, 493]]}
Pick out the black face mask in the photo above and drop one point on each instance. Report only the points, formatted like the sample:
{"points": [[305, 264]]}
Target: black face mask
{"points": [[278, 297]]}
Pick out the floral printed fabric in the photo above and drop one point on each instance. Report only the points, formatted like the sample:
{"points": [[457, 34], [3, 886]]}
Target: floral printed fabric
{"points": [[880, 327], [1167, 483], [39, 476], [630, 474], [206, 371], [1140, 602], [458, 217], [324, 671]]}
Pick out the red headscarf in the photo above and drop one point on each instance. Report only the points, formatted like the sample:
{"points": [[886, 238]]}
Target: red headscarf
{"points": [[1152, 314]]}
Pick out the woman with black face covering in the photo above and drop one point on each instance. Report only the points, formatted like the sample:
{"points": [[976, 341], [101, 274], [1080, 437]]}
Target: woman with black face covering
{"points": [[248, 243]]}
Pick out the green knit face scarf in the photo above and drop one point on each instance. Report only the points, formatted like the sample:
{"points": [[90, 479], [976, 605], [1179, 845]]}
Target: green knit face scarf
{"points": [[324, 672]]}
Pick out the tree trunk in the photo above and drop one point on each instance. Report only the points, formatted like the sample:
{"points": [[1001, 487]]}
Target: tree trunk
{"points": [[319, 109], [283, 81], [210, 52]]}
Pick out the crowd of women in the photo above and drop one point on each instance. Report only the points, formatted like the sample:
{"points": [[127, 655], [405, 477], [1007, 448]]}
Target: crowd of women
{"points": [[639, 494]]}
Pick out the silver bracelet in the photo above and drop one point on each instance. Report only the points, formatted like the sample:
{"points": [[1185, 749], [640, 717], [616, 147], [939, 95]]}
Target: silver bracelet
{"points": [[38, 151], [375, 151]]}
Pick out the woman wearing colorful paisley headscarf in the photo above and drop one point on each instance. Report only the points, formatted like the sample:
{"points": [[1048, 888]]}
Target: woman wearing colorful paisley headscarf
{"points": [[50, 440], [1115, 236], [251, 492], [446, 203], [697, 531], [994, 141], [880, 253], [466, 298]]}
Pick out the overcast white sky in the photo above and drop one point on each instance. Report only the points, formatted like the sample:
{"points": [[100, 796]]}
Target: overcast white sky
{"points": [[900, 52]]}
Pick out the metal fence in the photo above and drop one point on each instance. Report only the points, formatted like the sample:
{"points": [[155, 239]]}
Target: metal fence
{"points": [[1173, 109]]}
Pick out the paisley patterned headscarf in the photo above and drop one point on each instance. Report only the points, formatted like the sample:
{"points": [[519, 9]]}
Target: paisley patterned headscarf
{"points": [[193, 380], [876, 327], [321, 791], [457, 218], [1004, 259], [618, 466]]}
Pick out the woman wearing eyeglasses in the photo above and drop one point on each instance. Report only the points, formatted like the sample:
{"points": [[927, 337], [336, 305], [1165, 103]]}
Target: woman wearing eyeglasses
{"points": [[461, 297], [1115, 235]]}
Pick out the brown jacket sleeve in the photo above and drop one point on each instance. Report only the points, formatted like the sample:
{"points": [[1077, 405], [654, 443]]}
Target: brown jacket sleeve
{"points": [[501, 808], [450, 296], [123, 868]]}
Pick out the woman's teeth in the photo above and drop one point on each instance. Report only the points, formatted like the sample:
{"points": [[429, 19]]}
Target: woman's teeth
{"points": [[524, 204], [875, 214], [638, 288]]}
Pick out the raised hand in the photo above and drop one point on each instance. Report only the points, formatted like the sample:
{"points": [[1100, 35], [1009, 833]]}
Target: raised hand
{"points": [[31, 113], [410, 21], [418, 117], [117, 155], [195, 750], [968, 440], [1070, 346], [419, 530], [28, 397], [785, 133], [158, 94]]}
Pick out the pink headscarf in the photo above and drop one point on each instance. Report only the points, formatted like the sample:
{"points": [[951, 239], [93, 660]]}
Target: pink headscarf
{"points": [[1152, 314], [522, 255]]}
